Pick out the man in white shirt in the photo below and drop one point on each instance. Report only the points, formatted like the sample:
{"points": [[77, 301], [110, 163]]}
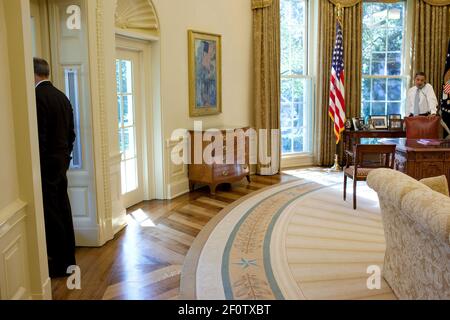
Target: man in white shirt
{"points": [[421, 99]]}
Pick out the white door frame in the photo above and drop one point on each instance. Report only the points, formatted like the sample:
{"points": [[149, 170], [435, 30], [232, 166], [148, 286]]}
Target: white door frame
{"points": [[146, 98]]}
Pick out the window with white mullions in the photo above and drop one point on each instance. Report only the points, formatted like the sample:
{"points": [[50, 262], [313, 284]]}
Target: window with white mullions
{"points": [[384, 79], [127, 128], [295, 81]]}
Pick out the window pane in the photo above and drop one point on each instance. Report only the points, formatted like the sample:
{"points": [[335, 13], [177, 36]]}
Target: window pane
{"points": [[366, 109], [394, 108], [394, 64], [293, 37], [366, 89], [395, 87], [396, 15], [378, 64], [293, 66], [293, 115], [383, 34], [395, 40], [378, 108], [379, 89], [286, 90]]}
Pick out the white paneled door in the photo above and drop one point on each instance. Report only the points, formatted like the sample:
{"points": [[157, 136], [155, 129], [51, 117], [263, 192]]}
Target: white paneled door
{"points": [[129, 111]]}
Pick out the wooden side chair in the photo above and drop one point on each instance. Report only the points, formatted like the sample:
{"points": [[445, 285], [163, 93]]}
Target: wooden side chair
{"points": [[366, 158]]}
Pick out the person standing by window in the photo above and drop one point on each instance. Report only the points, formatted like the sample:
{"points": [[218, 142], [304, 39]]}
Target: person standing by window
{"points": [[421, 99], [56, 138]]}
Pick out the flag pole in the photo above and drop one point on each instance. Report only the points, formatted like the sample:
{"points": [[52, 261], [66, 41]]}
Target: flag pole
{"points": [[336, 167]]}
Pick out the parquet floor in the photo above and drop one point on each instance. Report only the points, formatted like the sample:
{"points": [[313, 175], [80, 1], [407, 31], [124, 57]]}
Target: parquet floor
{"points": [[144, 261]]}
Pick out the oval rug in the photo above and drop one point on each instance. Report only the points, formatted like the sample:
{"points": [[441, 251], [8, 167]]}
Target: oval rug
{"points": [[297, 240]]}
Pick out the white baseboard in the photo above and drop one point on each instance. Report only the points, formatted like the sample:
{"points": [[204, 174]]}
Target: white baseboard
{"points": [[297, 161], [120, 222], [87, 237], [46, 293], [178, 188]]}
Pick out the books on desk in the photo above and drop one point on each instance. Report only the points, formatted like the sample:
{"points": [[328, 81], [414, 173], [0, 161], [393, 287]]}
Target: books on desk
{"points": [[429, 142]]}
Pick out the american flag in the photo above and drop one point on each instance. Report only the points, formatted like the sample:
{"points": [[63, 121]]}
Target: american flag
{"points": [[337, 91]]}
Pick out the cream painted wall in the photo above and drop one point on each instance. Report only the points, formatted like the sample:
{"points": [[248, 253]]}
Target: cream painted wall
{"points": [[8, 169], [233, 20]]}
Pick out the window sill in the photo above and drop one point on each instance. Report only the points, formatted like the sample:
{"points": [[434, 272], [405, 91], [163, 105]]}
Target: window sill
{"points": [[297, 160]]}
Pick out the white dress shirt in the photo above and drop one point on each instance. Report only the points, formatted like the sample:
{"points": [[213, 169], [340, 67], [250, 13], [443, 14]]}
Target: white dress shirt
{"points": [[427, 103]]}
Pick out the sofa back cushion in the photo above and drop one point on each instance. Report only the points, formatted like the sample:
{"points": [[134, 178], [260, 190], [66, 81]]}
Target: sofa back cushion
{"points": [[438, 184]]}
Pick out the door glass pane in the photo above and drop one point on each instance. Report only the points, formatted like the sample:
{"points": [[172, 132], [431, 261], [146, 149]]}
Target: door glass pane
{"points": [[129, 143], [125, 75], [131, 175], [127, 129], [128, 116]]}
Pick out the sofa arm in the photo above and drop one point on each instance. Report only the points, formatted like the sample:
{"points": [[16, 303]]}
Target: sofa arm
{"points": [[431, 210], [384, 180]]}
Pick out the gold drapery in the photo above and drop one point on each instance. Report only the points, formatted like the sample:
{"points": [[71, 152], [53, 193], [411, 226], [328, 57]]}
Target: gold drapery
{"points": [[352, 32], [430, 41], [266, 51]]}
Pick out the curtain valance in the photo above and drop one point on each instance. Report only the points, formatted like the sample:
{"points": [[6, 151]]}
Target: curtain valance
{"points": [[259, 4], [350, 3]]}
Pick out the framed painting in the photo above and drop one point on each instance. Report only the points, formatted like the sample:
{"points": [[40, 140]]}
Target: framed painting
{"points": [[205, 74]]}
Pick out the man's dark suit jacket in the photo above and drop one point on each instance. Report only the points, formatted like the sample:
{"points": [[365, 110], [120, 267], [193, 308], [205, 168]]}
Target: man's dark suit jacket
{"points": [[56, 138], [55, 120]]}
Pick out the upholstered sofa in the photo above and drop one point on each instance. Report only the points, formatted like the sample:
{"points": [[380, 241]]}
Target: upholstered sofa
{"points": [[416, 221]]}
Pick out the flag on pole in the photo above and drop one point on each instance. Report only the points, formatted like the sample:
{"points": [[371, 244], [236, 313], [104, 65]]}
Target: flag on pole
{"points": [[337, 91], [445, 102]]}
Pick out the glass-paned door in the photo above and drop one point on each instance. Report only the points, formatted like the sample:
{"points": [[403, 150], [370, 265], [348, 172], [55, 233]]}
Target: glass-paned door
{"points": [[128, 109]]}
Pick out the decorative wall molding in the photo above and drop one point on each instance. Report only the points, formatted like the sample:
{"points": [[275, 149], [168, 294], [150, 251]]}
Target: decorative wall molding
{"points": [[136, 15], [105, 230], [178, 188], [14, 266]]}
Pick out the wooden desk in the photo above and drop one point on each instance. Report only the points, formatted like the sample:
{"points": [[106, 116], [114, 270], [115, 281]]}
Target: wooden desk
{"points": [[354, 137], [421, 161]]}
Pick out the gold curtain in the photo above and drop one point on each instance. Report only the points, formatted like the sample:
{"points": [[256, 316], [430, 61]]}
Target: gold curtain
{"points": [[430, 40], [266, 50], [352, 30]]}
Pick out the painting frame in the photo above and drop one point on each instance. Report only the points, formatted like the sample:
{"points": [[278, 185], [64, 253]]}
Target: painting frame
{"points": [[196, 108]]}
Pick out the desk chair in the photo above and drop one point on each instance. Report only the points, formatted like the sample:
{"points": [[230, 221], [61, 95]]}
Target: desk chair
{"points": [[423, 127], [361, 166]]}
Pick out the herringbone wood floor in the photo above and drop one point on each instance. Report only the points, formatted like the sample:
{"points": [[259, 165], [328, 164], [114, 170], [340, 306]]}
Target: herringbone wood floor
{"points": [[144, 261]]}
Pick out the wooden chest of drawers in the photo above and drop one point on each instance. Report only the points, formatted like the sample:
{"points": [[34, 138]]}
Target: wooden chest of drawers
{"points": [[222, 168]]}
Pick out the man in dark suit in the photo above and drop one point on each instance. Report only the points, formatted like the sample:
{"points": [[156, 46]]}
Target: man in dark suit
{"points": [[56, 138]]}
